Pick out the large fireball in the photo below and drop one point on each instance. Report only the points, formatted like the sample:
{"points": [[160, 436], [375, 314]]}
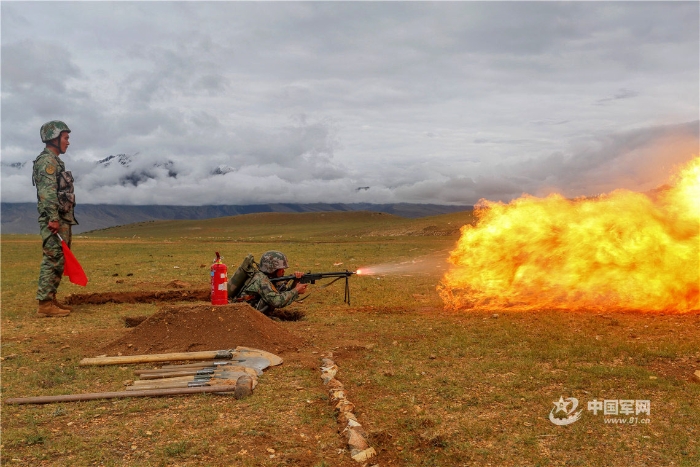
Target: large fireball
{"points": [[619, 251]]}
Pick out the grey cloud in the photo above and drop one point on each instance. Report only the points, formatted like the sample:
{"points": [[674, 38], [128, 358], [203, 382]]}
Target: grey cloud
{"points": [[234, 102], [620, 94], [635, 157], [36, 65], [215, 84]]}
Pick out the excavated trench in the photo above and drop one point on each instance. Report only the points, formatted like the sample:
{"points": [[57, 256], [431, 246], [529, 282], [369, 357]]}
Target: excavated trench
{"points": [[178, 327]]}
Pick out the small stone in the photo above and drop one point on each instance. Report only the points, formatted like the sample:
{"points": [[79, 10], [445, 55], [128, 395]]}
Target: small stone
{"points": [[364, 455], [356, 440]]}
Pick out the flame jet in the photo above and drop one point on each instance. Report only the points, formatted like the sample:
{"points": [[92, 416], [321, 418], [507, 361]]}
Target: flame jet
{"points": [[618, 251]]}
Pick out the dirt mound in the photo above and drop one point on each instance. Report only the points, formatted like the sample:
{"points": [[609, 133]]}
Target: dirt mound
{"points": [[99, 298], [192, 328]]}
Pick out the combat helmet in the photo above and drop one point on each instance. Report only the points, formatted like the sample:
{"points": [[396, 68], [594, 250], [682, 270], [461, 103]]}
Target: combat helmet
{"points": [[52, 130], [273, 260]]}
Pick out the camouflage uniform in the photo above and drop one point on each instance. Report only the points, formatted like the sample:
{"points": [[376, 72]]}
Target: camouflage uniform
{"points": [[266, 296], [265, 293], [55, 202]]}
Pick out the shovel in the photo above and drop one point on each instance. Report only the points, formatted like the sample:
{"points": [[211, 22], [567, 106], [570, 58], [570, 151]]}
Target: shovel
{"points": [[185, 381]]}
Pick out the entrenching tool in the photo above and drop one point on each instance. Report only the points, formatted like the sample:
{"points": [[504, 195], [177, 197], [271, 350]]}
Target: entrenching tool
{"points": [[257, 363], [166, 357], [197, 364], [190, 381], [175, 384], [200, 373], [231, 354], [247, 352], [186, 367], [199, 376], [229, 377], [230, 387]]}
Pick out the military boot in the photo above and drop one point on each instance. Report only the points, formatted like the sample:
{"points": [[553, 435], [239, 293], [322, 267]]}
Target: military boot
{"points": [[47, 309], [62, 306]]}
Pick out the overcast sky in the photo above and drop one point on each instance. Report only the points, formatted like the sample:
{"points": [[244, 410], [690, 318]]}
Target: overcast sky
{"points": [[245, 103]]}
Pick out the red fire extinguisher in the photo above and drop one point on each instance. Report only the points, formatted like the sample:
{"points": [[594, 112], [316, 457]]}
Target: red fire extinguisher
{"points": [[219, 294]]}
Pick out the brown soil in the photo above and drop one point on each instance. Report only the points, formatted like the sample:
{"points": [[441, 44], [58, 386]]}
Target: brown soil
{"points": [[192, 328], [99, 298], [159, 296]]}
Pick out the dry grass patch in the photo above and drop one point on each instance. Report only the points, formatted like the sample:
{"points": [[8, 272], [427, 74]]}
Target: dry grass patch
{"points": [[430, 387]]}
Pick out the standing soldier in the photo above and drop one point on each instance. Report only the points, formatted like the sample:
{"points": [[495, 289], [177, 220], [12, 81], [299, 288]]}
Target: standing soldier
{"points": [[55, 203]]}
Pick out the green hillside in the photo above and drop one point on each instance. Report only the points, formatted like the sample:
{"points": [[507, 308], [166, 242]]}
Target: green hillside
{"points": [[312, 226]]}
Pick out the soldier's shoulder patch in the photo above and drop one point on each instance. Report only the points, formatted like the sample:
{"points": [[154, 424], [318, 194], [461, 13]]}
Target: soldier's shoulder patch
{"points": [[50, 169]]}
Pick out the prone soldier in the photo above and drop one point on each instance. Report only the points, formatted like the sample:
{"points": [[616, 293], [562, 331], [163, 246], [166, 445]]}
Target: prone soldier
{"points": [[264, 296]]}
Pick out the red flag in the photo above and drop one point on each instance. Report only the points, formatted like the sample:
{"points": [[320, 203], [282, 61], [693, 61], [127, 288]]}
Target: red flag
{"points": [[72, 267]]}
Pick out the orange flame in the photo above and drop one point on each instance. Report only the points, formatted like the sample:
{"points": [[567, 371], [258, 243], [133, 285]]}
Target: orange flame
{"points": [[619, 251]]}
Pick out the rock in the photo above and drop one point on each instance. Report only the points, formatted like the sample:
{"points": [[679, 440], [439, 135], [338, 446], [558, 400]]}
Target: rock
{"points": [[362, 456], [328, 373], [356, 442], [696, 375], [337, 394], [335, 384], [345, 406], [347, 417]]}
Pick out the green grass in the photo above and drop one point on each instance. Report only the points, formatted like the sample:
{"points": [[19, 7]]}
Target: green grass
{"points": [[431, 387]]}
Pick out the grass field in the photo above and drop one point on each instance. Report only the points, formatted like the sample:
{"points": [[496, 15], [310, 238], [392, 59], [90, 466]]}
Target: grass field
{"points": [[431, 387]]}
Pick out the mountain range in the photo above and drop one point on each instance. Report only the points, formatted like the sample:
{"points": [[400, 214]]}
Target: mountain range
{"points": [[21, 218]]}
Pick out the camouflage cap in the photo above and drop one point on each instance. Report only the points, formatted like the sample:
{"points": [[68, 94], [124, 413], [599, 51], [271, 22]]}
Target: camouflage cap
{"points": [[273, 260], [52, 130]]}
